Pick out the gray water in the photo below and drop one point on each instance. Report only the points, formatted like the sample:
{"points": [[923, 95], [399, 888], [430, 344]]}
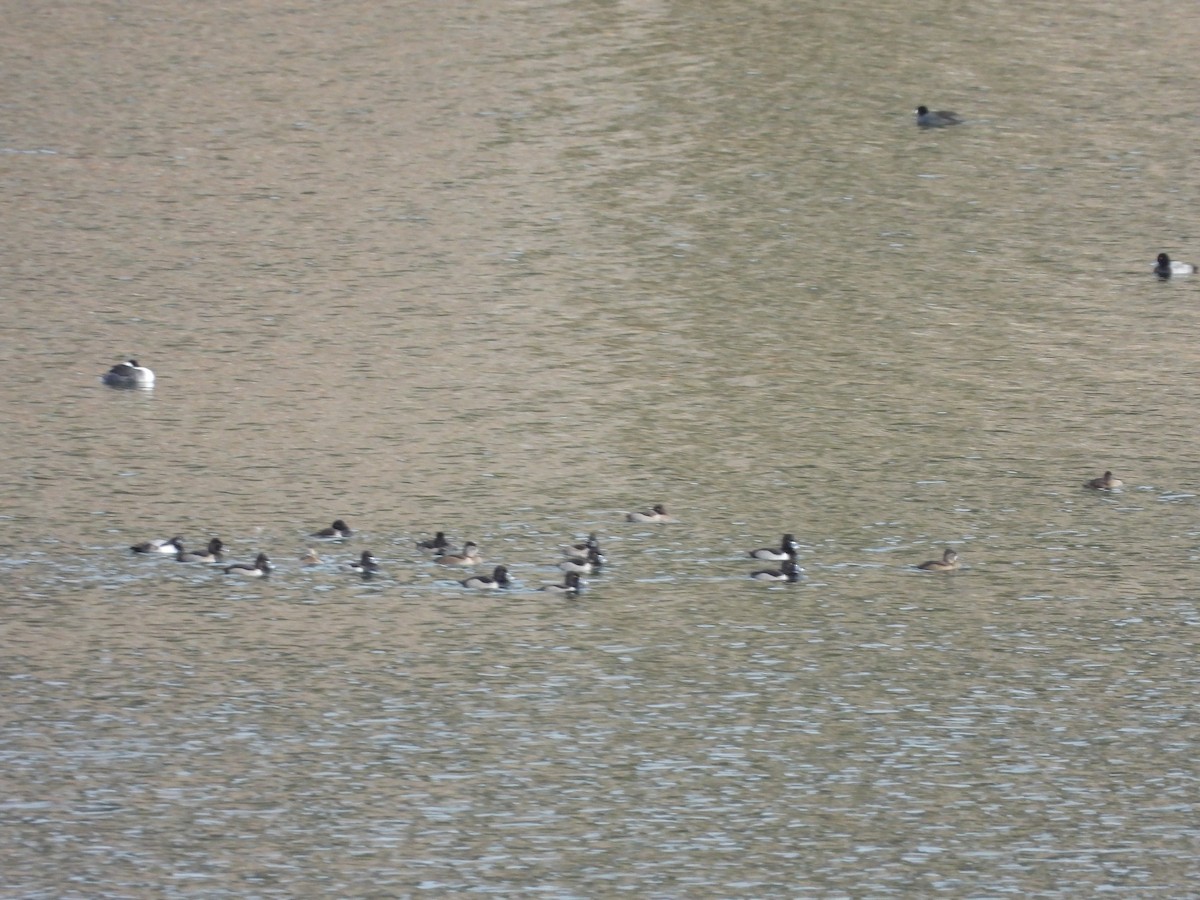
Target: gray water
{"points": [[510, 270]]}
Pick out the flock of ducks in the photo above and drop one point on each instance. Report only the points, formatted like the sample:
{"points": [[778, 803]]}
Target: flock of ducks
{"points": [[582, 558], [579, 559], [1164, 267]]}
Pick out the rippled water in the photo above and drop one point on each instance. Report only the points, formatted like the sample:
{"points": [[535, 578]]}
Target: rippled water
{"points": [[511, 270]]}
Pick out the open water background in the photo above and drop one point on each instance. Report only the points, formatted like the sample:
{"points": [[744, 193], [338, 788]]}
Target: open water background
{"points": [[510, 269]]}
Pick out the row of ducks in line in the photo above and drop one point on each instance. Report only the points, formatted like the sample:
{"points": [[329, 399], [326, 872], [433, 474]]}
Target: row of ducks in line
{"points": [[582, 558]]}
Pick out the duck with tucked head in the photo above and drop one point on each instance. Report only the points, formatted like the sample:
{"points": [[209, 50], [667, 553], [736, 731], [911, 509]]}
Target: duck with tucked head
{"points": [[260, 568], [497, 580], [788, 548], [1105, 482], [128, 375], [338, 531], [571, 586], [310, 558], [941, 118], [657, 514], [212, 554], [789, 571], [160, 545], [468, 556], [1165, 267], [947, 563]]}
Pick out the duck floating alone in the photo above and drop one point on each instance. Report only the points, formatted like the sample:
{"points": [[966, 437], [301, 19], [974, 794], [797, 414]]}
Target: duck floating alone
{"points": [[941, 118], [1165, 267], [948, 562], [1105, 482], [128, 375]]}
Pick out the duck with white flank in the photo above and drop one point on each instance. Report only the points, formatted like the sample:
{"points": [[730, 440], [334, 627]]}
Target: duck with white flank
{"points": [[366, 566], [789, 571], [584, 565], [497, 580], [1165, 267], [128, 375], [571, 585], [338, 531], [212, 554], [260, 568], [788, 548], [160, 545]]}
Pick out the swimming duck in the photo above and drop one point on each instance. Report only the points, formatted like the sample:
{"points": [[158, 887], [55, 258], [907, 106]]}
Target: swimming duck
{"points": [[498, 579], [128, 375], [948, 562], [212, 554], [260, 568], [1166, 267], [936, 119], [571, 585], [438, 543], [338, 531], [160, 545], [468, 556], [1105, 482], [657, 514], [584, 565], [310, 558], [789, 571], [366, 565], [788, 548], [581, 549]]}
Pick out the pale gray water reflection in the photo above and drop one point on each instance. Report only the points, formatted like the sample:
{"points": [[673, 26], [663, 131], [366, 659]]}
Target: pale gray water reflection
{"points": [[511, 271]]}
